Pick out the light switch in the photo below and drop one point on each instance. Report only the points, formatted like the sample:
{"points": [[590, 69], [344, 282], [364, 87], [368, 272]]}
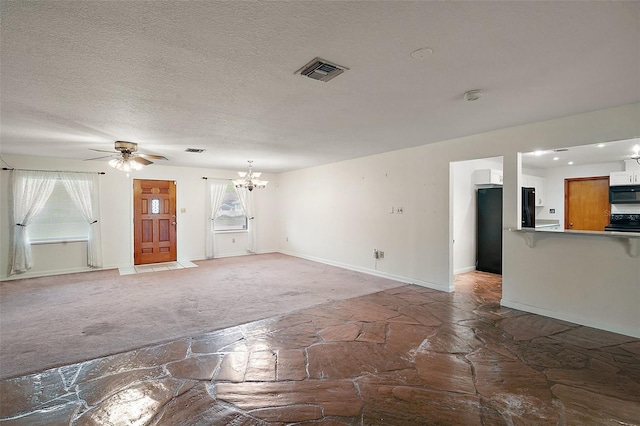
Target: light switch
{"points": [[183, 210]]}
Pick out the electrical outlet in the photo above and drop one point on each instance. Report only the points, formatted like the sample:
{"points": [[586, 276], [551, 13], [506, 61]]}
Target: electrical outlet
{"points": [[399, 210], [375, 254], [380, 254], [287, 239], [233, 240]]}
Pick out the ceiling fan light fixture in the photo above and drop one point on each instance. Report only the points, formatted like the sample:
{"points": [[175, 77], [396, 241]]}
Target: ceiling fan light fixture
{"points": [[125, 164], [128, 159]]}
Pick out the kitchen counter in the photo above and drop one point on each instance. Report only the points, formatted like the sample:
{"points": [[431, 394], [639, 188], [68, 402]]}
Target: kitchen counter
{"points": [[631, 239]]}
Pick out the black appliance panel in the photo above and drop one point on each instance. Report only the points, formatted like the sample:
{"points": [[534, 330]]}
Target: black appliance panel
{"points": [[528, 207], [624, 223], [489, 230], [627, 194]]}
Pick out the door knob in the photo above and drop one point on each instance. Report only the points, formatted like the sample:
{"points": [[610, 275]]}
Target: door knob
{"points": [[173, 223], [570, 223]]}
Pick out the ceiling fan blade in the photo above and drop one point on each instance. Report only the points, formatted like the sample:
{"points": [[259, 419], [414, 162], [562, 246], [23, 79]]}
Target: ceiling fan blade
{"points": [[99, 158], [141, 160], [154, 157], [102, 150]]}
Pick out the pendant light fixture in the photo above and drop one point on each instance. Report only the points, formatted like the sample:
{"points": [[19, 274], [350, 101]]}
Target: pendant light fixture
{"points": [[636, 153], [250, 179]]}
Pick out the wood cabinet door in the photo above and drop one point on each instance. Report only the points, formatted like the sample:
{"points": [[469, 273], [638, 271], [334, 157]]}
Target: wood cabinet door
{"points": [[586, 203], [154, 221]]}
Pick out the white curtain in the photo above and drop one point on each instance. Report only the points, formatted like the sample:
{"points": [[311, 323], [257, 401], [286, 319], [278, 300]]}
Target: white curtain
{"points": [[83, 190], [246, 199], [215, 197], [30, 192]]}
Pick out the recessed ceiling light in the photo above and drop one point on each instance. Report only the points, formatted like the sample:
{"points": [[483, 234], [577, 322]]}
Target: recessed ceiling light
{"points": [[600, 145], [538, 153], [570, 163], [421, 53], [472, 95], [556, 158]]}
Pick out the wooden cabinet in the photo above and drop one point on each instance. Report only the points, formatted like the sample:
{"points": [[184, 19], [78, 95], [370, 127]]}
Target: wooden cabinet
{"points": [[630, 177], [483, 177], [536, 182]]}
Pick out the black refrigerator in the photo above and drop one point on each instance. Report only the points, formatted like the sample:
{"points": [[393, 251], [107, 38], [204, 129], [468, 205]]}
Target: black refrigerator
{"points": [[489, 230], [528, 207]]}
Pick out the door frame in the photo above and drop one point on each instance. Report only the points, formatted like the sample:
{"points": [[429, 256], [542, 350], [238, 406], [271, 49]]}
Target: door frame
{"points": [[132, 234]]}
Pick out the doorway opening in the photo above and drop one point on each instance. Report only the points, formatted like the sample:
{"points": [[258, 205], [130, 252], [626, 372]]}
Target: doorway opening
{"points": [[466, 178]]}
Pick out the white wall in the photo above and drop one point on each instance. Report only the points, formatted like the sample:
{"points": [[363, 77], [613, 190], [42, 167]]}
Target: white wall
{"points": [[116, 215], [463, 210], [339, 213]]}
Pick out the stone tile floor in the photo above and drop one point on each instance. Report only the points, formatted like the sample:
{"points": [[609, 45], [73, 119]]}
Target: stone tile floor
{"points": [[405, 356]]}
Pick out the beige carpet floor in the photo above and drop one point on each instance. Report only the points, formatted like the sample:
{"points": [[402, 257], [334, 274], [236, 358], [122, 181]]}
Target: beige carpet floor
{"points": [[53, 321]]}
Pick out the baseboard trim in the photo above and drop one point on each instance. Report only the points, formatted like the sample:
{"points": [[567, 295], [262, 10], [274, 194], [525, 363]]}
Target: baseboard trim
{"points": [[245, 253], [373, 272], [569, 318], [464, 270], [50, 273]]}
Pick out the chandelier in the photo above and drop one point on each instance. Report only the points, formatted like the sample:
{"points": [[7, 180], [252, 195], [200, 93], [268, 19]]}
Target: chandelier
{"points": [[125, 163], [250, 179]]}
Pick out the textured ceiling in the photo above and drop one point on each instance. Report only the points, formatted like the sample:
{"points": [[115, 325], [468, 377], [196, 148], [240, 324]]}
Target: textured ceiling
{"points": [[220, 75]]}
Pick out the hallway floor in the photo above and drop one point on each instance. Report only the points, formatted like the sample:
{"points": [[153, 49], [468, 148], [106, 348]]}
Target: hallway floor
{"points": [[403, 356]]}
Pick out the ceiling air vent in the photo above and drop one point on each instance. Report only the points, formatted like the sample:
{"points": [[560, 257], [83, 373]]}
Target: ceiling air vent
{"points": [[195, 150], [320, 69]]}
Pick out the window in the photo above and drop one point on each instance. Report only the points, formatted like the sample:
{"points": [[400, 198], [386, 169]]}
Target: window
{"points": [[230, 215], [59, 220]]}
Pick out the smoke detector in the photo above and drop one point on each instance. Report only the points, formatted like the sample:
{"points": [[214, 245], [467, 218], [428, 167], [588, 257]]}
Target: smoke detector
{"points": [[321, 69]]}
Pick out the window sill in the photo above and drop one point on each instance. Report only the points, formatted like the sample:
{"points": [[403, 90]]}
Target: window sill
{"points": [[58, 241], [232, 231]]}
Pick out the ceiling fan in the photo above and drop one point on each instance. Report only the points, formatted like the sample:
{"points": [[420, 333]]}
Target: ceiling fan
{"points": [[127, 156]]}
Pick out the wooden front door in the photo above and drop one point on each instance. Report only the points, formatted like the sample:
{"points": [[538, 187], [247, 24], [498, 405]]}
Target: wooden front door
{"points": [[586, 203], [154, 221]]}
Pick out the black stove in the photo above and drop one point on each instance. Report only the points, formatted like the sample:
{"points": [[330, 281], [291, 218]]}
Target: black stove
{"points": [[624, 223]]}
